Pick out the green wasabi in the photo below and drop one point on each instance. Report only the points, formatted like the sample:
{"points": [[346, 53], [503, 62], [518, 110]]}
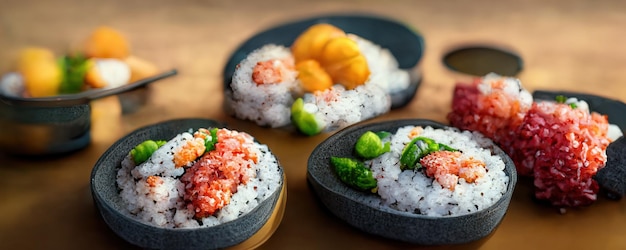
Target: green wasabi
{"points": [[144, 150]]}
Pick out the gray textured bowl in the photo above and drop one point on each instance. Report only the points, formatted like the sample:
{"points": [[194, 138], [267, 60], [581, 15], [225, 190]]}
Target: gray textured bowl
{"points": [[107, 200], [354, 207], [37, 131], [55, 125]]}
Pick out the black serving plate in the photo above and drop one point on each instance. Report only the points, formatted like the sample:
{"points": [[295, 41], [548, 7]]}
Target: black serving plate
{"points": [[405, 43]]}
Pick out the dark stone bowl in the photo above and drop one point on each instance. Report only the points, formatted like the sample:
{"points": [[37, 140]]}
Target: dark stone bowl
{"points": [[109, 204], [50, 126], [404, 42], [612, 177], [354, 207], [43, 131]]}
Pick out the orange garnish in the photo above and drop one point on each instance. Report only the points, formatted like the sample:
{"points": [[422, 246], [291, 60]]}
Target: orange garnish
{"points": [[312, 76], [106, 42], [338, 55], [311, 42]]}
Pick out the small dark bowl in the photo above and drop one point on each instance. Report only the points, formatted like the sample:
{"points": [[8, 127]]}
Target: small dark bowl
{"points": [[406, 45], [354, 207], [55, 125], [108, 202], [611, 178]]}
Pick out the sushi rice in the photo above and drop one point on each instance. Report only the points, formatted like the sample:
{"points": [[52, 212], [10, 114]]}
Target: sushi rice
{"points": [[163, 204], [414, 192], [269, 104]]}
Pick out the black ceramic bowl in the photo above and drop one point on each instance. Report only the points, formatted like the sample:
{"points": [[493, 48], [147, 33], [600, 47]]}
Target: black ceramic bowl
{"points": [[355, 207], [54, 125], [406, 45], [612, 178], [106, 197]]}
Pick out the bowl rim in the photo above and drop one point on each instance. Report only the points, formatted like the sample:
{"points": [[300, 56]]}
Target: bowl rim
{"points": [[83, 97], [102, 201], [512, 173]]}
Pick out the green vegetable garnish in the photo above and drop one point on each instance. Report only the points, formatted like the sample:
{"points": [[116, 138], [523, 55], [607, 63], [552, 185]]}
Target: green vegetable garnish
{"points": [[144, 150], [354, 173], [74, 69], [418, 148], [209, 143], [370, 145], [303, 120], [383, 134], [563, 99]]}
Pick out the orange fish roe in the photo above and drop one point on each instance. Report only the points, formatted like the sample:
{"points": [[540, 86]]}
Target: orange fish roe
{"points": [[189, 152], [268, 72], [154, 181], [472, 169], [213, 179], [415, 132], [447, 166]]}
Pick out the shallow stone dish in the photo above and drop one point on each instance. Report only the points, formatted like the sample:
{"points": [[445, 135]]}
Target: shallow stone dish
{"points": [[108, 202], [356, 209]]}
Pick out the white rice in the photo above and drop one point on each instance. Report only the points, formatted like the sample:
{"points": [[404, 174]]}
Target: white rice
{"points": [[511, 86], [265, 104], [338, 107], [414, 192], [384, 71], [164, 206], [270, 104]]}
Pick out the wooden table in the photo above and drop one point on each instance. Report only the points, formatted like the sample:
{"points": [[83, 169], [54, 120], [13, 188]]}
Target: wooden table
{"points": [[566, 45]]}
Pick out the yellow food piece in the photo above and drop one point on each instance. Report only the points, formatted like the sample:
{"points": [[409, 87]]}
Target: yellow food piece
{"points": [[312, 76], [337, 54], [40, 71], [106, 42], [337, 50], [311, 42], [140, 68], [30, 55], [350, 73]]}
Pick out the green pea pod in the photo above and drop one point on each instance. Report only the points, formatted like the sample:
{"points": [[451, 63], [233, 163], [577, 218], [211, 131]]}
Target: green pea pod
{"points": [[370, 145], [446, 147], [413, 152], [418, 148], [144, 150], [354, 173]]}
